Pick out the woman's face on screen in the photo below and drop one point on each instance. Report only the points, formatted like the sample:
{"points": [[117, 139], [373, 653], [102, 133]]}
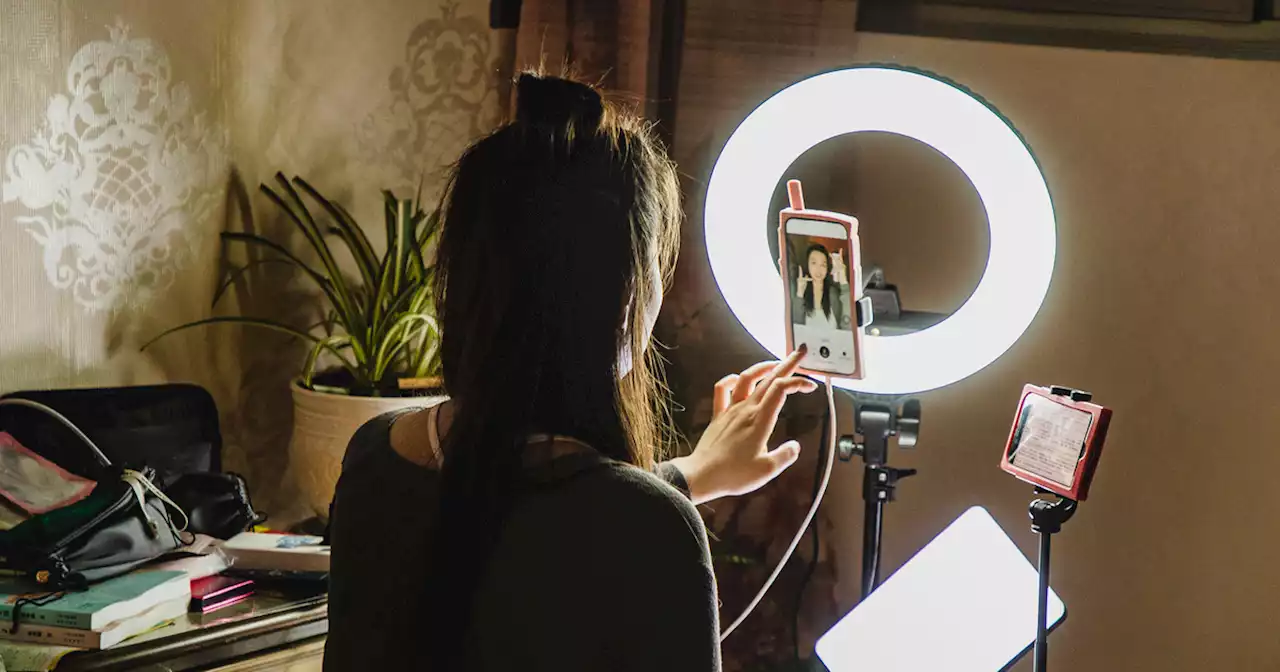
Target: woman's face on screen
{"points": [[818, 264]]}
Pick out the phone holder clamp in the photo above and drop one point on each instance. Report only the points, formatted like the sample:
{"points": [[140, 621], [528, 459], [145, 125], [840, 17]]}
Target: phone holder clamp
{"points": [[864, 311]]}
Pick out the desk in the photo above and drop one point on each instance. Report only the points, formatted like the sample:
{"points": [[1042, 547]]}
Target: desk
{"points": [[271, 631]]}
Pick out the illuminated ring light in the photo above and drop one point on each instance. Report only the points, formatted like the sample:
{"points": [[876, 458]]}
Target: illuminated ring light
{"points": [[928, 109]]}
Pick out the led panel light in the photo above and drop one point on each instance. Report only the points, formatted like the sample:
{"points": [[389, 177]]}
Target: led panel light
{"points": [[965, 603]]}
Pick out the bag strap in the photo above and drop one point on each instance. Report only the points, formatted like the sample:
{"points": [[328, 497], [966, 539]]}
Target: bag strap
{"points": [[97, 452], [37, 601], [141, 485]]}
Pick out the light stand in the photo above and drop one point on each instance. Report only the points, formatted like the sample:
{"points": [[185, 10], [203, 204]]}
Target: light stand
{"points": [[1047, 517], [876, 420]]}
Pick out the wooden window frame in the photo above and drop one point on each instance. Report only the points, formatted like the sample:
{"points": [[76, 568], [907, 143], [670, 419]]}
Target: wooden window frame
{"points": [[1255, 40]]}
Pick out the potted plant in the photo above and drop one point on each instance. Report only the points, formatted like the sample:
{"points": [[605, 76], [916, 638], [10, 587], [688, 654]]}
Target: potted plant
{"points": [[377, 348]]}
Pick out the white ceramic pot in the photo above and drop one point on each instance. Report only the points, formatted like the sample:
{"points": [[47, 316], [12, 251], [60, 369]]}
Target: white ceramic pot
{"points": [[322, 427]]}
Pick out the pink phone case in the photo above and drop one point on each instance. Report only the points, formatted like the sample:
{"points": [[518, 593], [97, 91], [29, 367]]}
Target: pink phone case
{"points": [[853, 261], [1086, 464], [215, 592]]}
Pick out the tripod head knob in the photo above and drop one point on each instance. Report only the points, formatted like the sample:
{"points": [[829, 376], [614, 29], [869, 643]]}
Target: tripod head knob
{"points": [[847, 446], [909, 424]]}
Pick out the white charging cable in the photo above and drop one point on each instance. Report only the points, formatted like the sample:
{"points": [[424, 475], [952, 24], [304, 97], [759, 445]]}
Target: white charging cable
{"points": [[97, 452], [808, 518], [136, 480]]}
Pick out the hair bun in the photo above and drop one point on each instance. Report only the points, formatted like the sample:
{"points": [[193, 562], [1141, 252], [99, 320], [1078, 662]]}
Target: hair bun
{"points": [[557, 102]]}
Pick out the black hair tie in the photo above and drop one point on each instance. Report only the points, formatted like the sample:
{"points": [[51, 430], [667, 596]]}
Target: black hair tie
{"points": [[557, 102]]}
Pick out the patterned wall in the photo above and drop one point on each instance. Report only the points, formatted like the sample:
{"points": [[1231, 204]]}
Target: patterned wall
{"points": [[133, 131]]}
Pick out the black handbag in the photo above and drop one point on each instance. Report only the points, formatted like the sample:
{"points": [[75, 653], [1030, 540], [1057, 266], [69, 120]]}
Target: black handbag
{"points": [[216, 504], [171, 428], [123, 523]]}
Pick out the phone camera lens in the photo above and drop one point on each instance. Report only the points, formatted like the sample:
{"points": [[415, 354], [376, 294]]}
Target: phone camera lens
{"points": [[824, 351]]}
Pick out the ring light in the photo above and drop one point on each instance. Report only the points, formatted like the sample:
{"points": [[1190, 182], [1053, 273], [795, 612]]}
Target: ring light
{"points": [[919, 106]]}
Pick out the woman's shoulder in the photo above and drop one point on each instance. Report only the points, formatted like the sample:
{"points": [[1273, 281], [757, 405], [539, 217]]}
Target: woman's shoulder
{"points": [[644, 503], [372, 442]]}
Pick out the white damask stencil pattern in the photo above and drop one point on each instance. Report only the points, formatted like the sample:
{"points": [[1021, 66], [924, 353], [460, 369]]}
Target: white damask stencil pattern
{"points": [[119, 177], [443, 97]]}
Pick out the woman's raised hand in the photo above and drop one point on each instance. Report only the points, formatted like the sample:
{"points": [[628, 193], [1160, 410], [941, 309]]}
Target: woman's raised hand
{"points": [[802, 283], [838, 269], [732, 457]]}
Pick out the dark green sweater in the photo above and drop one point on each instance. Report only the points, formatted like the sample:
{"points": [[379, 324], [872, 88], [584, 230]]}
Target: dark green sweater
{"points": [[601, 567]]}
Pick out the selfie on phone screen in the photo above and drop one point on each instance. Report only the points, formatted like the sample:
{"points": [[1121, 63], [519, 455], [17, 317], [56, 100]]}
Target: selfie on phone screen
{"points": [[821, 308]]}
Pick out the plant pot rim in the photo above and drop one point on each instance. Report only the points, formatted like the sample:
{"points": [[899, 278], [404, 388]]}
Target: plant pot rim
{"points": [[297, 386]]}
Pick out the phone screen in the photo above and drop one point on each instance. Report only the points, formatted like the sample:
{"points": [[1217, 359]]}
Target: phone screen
{"points": [[1049, 439], [822, 292]]}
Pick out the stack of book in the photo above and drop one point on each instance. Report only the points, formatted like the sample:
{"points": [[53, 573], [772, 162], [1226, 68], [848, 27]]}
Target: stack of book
{"points": [[97, 618], [268, 555], [107, 613]]}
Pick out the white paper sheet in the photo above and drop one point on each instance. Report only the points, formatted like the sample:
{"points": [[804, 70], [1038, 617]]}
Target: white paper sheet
{"points": [[1051, 439], [23, 657]]}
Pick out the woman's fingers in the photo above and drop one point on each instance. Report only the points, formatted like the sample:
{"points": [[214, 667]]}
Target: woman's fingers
{"points": [[782, 370], [737, 387], [747, 380], [723, 396], [782, 457], [777, 393]]}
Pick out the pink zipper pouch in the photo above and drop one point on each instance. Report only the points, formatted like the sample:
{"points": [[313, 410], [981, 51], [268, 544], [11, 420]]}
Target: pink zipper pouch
{"points": [[35, 484]]}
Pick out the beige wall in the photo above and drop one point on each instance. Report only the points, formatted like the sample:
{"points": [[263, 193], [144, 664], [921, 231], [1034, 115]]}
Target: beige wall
{"points": [[355, 98], [110, 213], [95, 238], [1163, 171]]}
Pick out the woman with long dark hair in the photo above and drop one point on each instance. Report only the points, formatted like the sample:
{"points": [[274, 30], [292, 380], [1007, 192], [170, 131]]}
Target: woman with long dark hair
{"points": [[528, 523], [821, 286]]}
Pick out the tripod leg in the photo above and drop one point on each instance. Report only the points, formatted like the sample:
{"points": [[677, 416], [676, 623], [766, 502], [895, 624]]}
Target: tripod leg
{"points": [[1042, 608]]}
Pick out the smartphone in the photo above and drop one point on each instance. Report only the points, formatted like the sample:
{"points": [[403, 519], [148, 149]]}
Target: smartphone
{"points": [[1056, 440], [215, 592], [822, 280]]}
